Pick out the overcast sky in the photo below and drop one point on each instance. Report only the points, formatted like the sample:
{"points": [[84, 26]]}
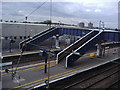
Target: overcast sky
{"points": [[66, 11]]}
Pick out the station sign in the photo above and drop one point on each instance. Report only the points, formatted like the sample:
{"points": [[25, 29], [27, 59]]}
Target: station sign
{"points": [[5, 64]]}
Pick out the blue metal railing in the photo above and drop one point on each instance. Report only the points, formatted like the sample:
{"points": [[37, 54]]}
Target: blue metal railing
{"points": [[40, 37]]}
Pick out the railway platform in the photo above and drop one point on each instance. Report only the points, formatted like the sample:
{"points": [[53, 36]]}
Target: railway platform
{"points": [[33, 76]]}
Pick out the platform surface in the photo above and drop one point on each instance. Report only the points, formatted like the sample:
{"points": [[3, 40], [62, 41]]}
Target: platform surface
{"points": [[33, 75]]}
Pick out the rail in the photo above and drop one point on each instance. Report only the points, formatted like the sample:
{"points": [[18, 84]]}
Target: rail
{"points": [[99, 73], [35, 36], [84, 46], [74, 45]]}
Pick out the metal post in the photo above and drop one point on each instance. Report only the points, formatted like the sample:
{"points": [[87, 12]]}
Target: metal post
{"points": [[99, 50], [12, 71], [47, 55], [103, 26], [57, 41], [48, 73], [25, 26], [103, 52], [45, 70], [99, 25], [59, 23], [10, 46]]}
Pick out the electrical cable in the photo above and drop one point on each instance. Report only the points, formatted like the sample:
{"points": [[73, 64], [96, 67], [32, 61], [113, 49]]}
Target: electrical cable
{"points": [[37, 8], [50, 46], [50, 12], [22, 53], [25, 32], [34, 10], [19, 60]]}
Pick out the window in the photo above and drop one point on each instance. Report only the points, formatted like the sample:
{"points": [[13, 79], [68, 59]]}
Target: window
{"points": [[28, 36], [20, 37], [24, 37], [11, 37], [15, 37], [6, 38]]}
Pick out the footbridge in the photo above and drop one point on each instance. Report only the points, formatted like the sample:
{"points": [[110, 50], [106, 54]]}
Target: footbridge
{"points": [[89, 38]]}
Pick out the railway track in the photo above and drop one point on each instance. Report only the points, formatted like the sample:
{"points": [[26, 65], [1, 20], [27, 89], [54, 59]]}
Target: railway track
{"points": [[105, 76], [98, 81], [115, 85]]}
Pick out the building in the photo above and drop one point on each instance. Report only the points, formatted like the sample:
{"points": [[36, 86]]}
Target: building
{"points": [[81, 24], [18, 32], [90, 25]]}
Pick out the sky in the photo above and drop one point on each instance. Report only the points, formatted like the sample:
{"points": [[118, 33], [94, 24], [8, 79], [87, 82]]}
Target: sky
{"points": [[64, 11]]}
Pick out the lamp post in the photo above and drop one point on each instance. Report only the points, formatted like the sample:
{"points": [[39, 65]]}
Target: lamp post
{"points": [[46, 60], [25, 26], [44, 53], [99, 25], [59, 23], [103, 26], [57, 41]]}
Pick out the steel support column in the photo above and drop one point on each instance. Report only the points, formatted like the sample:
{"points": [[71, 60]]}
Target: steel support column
{"points": [[99, 50], [57, 41]]}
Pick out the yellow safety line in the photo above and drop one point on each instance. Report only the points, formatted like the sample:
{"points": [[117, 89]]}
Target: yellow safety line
{"points": [[19, 53], [84, 56], [20, 70], [51, 65], [50, 77], [25, 69]]}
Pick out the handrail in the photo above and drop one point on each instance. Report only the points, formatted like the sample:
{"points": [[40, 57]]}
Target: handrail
{"points": [[36, 35], [72, 45], [82, 46], [41, 35]]}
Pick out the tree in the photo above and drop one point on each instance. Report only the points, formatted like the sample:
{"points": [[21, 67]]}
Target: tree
{"points": [[47, 22]]}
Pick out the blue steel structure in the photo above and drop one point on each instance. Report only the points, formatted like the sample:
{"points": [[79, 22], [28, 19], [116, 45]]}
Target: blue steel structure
{"points": [[89, 38], [40, 37], [75, 45]]}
